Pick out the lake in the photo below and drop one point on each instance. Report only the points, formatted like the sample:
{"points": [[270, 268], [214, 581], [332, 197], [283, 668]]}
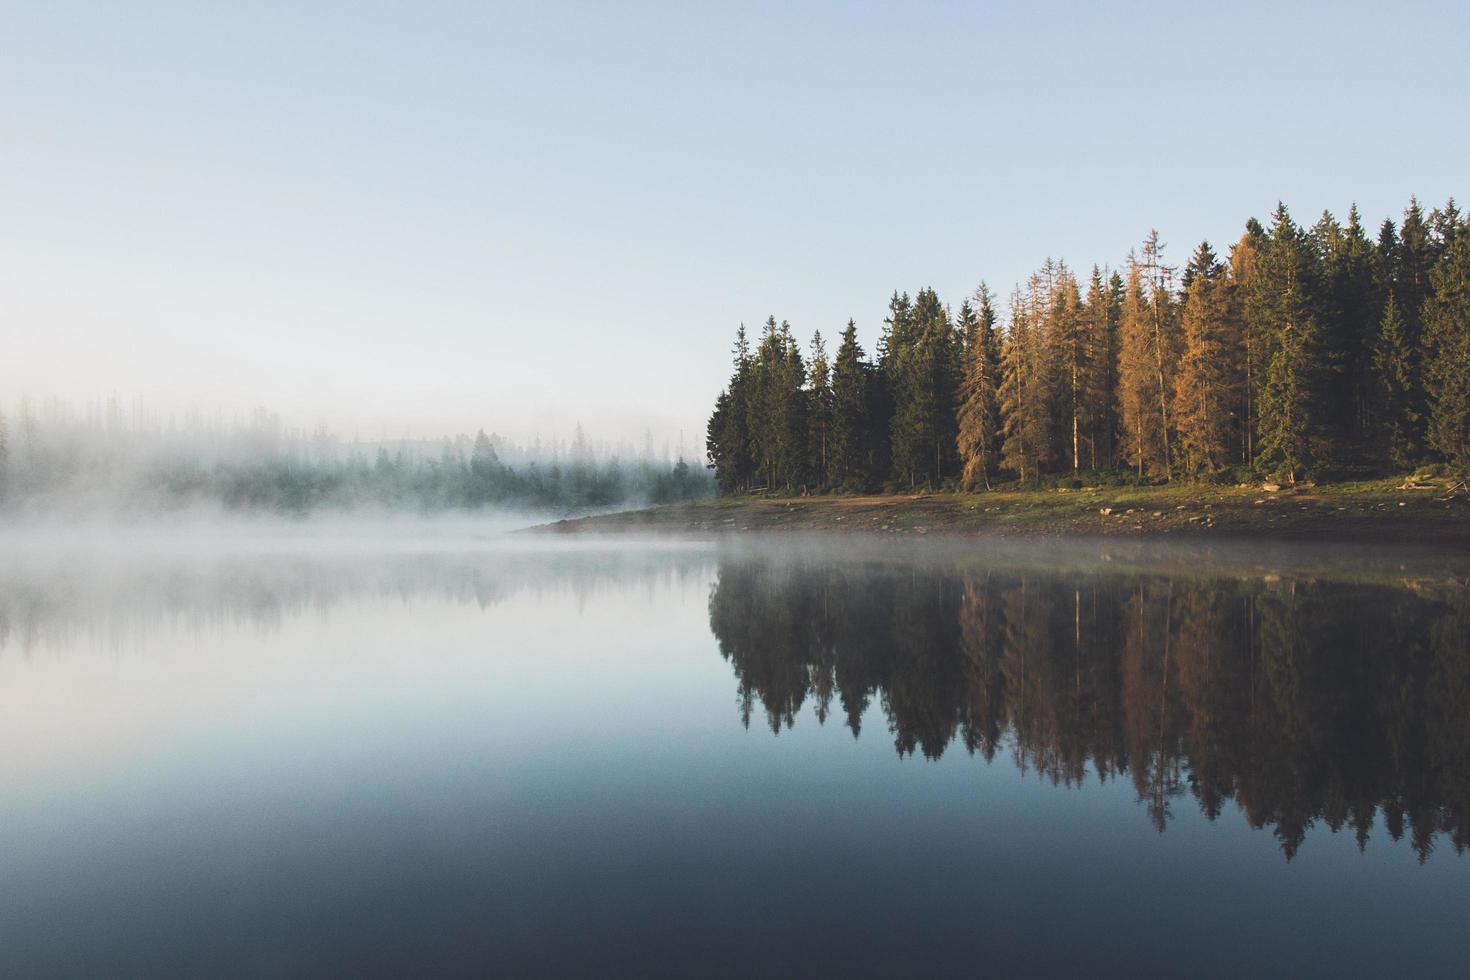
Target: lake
{"points": [[402, 754]]}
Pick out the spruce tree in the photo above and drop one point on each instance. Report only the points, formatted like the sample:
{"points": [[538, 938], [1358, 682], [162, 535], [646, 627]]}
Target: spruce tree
{"points": [[1393, 372], [777, 421], [1447, 347], [1354, 295], [1024, 395], [990, 336], [1097, 323], [1070, 363], [727, 435], [819, 415], [1246, 261], [1290, 406], [1202, 397], [976, 428], [850, 435], [923, 383], [1137, 403], [1410, 269]]}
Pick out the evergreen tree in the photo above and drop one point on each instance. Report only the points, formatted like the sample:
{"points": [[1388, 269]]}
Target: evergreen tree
{"points": [[1447, 346], [1202, 388], [819, 414], [1410, 265], [1246, 272], [1354, 299], [777, 409], [1393, 372], [727, 436], [485, 470], [1070, 364], [990, 336], [1137, 380], [976, 421], [1024, 395], [1289, 402], [923, 380], [1098, 326], [1163, 343], [851, 435]]}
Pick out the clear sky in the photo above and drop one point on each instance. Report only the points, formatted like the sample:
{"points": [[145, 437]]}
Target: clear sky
{"points": [[420, 218]]}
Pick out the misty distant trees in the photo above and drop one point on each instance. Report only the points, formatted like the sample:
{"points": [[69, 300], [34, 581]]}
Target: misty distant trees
{"points": [[1307, 351], [65, 464]]}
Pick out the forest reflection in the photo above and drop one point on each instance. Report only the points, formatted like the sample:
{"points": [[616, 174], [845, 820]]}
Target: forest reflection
{"points": [[1305, 702]]}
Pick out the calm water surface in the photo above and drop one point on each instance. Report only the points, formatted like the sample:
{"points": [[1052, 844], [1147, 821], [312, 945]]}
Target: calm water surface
{"points": [[516, 757]]}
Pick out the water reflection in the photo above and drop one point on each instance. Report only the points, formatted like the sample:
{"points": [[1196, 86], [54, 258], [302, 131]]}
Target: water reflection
{"points": [[1308, 696], [122, 601], [1305, 701]]}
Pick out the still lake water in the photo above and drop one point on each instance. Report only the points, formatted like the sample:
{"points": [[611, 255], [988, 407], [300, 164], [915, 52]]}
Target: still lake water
{"points": [[529, 757]]}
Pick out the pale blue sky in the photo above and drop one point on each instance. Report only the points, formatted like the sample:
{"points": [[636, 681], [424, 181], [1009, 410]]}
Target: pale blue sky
{"points": [[418, 218]]}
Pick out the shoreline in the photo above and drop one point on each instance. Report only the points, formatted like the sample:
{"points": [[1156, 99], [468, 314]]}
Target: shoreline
{"points": [[1378, 513]]}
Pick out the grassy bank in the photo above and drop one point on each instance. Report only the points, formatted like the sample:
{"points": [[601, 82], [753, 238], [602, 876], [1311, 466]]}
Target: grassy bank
{"points": [[1419, 512]]}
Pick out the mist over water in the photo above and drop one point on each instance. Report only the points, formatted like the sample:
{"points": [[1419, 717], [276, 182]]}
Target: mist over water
{"points": [[60, 466], [347, 752]]}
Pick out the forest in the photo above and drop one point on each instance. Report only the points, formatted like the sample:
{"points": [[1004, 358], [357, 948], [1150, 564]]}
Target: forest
{"points": [[57, 462], [1304, 354]]}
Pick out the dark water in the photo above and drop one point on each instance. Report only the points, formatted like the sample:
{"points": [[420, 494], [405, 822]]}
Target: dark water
{"points": [[666, 759]]}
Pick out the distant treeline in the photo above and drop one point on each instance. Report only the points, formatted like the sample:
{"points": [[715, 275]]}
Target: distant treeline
{"points": [[1307, 352], [259, 468]]}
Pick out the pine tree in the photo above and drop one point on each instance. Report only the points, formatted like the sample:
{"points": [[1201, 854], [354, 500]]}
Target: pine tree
{"points": [[1286, 402], [1289, 402], [1202, 389], [727, 436], [1098, 325], [990, 336], [882, 392], [1070, 362], [1137, 406], [851, 425], [1353, 294], [977, 412], [1393, 369], [819, 414], [1162, 340], [924, 384], [1447, 347], [777, 422], [1410, 268], [1024, 394], [1246, 259]]}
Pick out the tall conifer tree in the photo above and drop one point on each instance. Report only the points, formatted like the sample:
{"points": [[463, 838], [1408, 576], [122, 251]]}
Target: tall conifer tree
{"points": [[851, 426], [1290, 405], [977, 412], [1393, 372], [820, 415], [1447, 345], [1024, 394], [1202, 395]]}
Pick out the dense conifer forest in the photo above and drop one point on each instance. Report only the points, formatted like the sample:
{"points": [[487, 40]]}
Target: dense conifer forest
{"points": [[1304, 353]]}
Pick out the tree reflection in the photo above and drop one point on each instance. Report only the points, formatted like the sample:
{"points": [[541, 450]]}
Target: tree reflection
{"points": [[1304, 702]]}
